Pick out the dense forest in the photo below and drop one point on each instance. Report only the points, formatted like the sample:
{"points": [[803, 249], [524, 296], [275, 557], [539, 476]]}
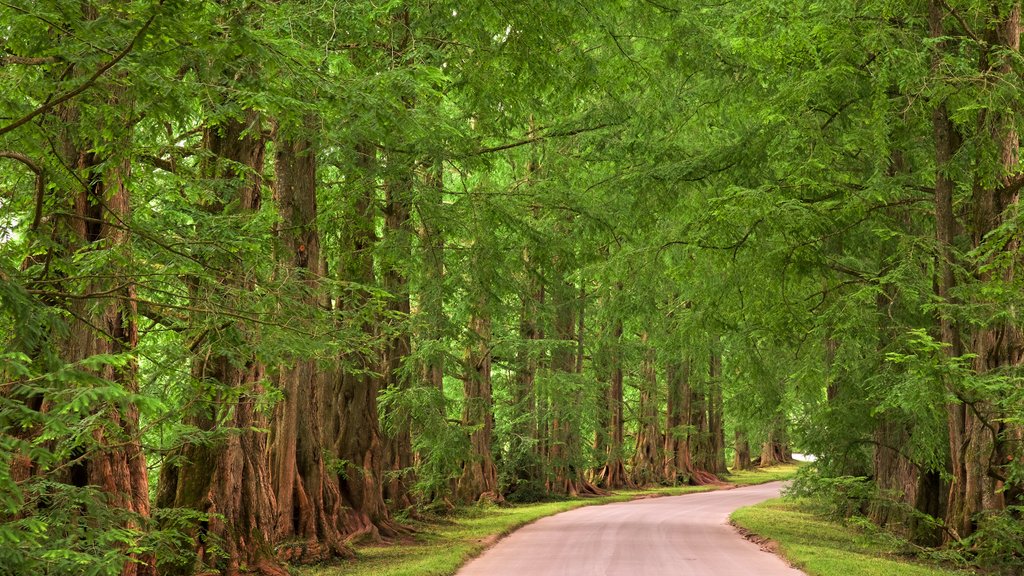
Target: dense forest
{"points": [[276, 275]]}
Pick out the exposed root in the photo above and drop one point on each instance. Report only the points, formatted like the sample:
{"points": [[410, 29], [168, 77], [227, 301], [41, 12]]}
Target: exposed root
{"points": [[704, 478]]}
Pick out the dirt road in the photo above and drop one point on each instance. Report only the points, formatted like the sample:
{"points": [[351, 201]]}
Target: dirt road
{"points": [[677, 535]]}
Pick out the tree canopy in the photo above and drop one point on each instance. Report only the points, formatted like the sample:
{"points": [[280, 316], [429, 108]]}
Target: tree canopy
{"points": [[275, 275]]}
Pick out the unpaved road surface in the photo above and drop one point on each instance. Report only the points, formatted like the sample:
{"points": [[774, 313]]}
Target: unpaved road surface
{"points": [[667, 536]]}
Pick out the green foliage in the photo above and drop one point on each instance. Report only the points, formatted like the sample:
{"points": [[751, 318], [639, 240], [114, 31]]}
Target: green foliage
{"points": [[998, 544], [842, 495]]}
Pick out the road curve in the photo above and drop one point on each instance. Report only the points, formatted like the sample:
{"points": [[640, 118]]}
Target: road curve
{"points": [[667, 536]]}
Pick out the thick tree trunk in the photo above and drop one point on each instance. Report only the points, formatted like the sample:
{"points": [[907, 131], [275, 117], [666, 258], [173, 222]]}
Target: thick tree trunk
{"points": [[433, 285], [565, 476], [679, 433], [977, 433], [525, 450], [612, 475], [229, 479], [308, 495], [646, 463], [115, 464], [350, 402], [398, 451], [479, 475], [741, 457], [716, 410], [701, 438], [775, 449]]}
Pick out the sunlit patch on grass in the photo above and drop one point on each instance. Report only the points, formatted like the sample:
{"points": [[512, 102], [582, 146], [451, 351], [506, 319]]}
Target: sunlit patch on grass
{"points": [[823, 547]]}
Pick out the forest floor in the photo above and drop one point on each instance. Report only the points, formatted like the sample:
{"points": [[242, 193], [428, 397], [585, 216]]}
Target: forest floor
{"points": [[802, 534], [442, 544]]}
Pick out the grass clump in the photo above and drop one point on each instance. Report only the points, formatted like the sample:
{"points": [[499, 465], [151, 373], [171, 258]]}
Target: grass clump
{"points": [[824, 547]]}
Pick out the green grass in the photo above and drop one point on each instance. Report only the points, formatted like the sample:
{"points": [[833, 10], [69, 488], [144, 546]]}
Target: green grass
{"points": [[762, 475], [441, 546], [822, 547]]}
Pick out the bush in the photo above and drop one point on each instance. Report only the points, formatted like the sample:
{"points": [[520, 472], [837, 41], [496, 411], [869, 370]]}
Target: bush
{"points": [[997, 545], [841, 496]]}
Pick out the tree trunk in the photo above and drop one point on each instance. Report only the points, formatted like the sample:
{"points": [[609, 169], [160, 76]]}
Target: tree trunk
{"points": [[613, 474], [433, 285], [741, 459], [479, 476], [701, 439], [680, 432], [106, 325], [350, 403], [716, 410], [775, 449], [308, 495], [228, 479], [398, 453], [978, 450], [646, 460], [566, 477], [524, 448]]}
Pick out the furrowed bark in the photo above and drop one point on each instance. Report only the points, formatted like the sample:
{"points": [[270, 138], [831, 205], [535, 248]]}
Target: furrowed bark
{"points": [[646, 459], [228, 479], [309, 502], [353, 426], [106, 325]]}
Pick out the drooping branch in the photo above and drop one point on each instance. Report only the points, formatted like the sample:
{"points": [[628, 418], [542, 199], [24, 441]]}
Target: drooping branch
{"points": [[50, 104], [40, 182]]}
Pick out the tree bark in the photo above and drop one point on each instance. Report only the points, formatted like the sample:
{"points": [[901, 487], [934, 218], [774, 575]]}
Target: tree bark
{"points": [[716, 410], [977, 434], [612, 475], [228, 480], [308, 495], [350, 402], [433, 286], [741, 458], [479, 478], [398, 451], [115, 462], [565, 476], [646, 459], [680, 429]]}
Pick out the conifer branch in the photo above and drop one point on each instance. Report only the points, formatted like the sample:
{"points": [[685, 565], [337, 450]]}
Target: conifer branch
{"points": [[40, 182], [89, 82]]}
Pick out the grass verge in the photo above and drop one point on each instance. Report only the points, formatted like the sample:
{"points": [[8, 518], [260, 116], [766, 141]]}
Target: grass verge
{"points": [[823, 547], [443, 545]]}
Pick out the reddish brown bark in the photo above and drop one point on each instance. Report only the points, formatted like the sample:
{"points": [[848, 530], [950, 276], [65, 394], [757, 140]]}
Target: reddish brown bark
{"points": [[431, 295], [680, 428], [647, 462], [612, 475], [977, 436], [479, 475], [524, 445], [775, 449], [398, 453], [107, 324], [309, 502], [350, 401], [741, 457], [227, 479], [701, 441], [564, 476], [716, 411]]}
